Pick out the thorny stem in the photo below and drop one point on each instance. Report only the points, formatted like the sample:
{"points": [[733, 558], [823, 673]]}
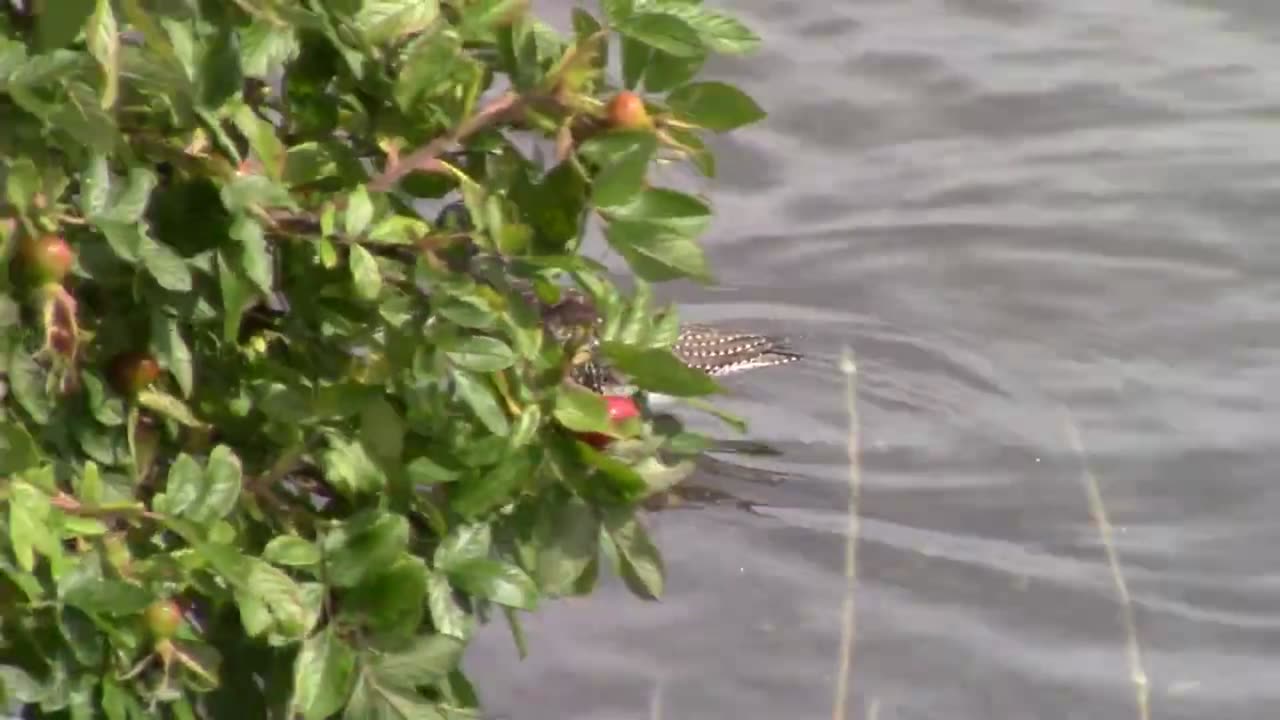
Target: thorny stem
{"points": [[424, 158]]}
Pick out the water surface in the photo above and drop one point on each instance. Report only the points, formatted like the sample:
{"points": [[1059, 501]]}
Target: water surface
{"points": [[1019, 214]]}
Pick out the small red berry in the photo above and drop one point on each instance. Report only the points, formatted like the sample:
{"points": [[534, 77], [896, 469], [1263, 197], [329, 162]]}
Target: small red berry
{"points": [[163, 617], [46, 259], [131, 372], [626, 111], [621, 408]]}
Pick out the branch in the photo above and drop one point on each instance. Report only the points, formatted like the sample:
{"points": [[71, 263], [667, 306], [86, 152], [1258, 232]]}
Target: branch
{"points": [[424, 158]]}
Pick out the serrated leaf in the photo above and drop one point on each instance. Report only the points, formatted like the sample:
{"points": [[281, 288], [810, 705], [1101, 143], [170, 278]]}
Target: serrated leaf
{"points": [[27, 383], [480, 397], [664, 209], [323, 675], [222, 478], [184, 485], [664, 32], [173, 351], [464, 543], [255, 257], [364, 273], [714, 105], [166, 266], [220, 75], [581, 410], [103, 37], [497, 582], [111, 597], [657, 255], [625, 159], [642, 568], [292, 551], [426, 662], [718, 31], [169, 406], [349, 468], [359, 211], [363, 546], [481, 353]]}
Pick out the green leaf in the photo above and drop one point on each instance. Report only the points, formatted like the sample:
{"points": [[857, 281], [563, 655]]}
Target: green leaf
{"points": [[496, 581], [426, 662], [108, 597], [481, 353], [474, 497], [659, 370], [222, 478], [656, 255], [446, 615], [172, 350], [363, 546], [365, 273], [666, 71], [427, 70], [382, 21], [169, 406], [220, 75], [255, 257], [616, 10], [323, 675], [464, 543], [27, 383], [567, 537], [481, 15], [714, 105], [59, 29], [166, 266], [667, 210], [103, 37], [349, 469], [480, 397], [625, 157], [292, 551], [382, 430], [581, 410], [18, 451], [393, 601], [372, 700], [718, 31], [667, 33], [184, 486], [359, 211], [641, 565]]}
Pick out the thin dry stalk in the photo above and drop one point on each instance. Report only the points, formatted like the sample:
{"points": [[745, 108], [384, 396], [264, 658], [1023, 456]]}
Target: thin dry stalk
{"points": [[1137, 671], [848, 616]]}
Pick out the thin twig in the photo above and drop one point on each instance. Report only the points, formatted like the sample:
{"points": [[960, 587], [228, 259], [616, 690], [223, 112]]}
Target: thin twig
{"points": [[848, 616], [1137, 671], [424, 157]]}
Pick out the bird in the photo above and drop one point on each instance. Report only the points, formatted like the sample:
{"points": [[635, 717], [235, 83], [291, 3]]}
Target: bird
{"points": [[704, 347]]}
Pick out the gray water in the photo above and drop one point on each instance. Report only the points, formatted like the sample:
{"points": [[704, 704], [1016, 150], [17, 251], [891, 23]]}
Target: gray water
{"points": [[1021, 215]]}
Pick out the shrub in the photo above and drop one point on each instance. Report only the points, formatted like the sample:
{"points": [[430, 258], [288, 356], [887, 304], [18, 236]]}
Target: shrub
{"points": [[271, 441]]}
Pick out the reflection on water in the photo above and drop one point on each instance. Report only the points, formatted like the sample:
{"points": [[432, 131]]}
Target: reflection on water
{"points": [[1013, 212]]}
